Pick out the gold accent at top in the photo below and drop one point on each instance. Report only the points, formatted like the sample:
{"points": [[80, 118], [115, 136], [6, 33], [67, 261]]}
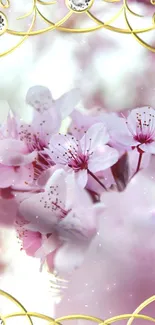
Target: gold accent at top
{"points": [[59, 321], [122, 9], [4, 3]]}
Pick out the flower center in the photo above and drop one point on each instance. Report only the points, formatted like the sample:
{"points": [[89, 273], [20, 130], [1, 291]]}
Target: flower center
{"points": [[42, 163], [78, 162], [145, 127], [35, 141], [57, 207], [143, 138]]}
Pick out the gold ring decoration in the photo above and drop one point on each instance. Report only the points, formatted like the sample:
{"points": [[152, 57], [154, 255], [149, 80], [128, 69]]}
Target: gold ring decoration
{"points": [[60, 321], [74, 8]]}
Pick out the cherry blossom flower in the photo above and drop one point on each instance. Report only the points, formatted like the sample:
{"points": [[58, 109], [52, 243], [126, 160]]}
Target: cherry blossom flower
{"points": [[86, 156], [47, 117], [80, 123], [22, 159], [138, 130], [60, 213]]}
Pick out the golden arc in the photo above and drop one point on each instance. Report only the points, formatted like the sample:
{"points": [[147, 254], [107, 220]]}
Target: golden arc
{"points": [[122, 9], [60, 321]]}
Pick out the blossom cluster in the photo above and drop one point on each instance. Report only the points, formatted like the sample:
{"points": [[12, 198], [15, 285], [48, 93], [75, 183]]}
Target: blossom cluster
{"points": [[54, 187]]}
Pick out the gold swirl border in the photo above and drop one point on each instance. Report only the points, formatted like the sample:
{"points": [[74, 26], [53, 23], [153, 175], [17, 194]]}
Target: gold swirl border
{"points": [[59, 25], [58, 321]]}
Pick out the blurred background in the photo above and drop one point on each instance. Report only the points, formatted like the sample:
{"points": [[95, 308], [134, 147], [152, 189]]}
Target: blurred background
{"points": [[113, 72]]}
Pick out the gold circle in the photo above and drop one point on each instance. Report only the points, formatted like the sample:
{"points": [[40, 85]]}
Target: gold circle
{"points": [[69, 6]]}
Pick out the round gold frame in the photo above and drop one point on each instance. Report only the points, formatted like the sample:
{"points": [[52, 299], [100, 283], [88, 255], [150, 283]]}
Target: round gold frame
{"points": [[59, 25], [59, 321]]}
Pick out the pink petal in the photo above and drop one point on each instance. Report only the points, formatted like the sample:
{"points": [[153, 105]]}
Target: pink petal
{"points": [[44, 177], [81, 123], [32, 242], [38, 208], [69, 257], [16, 159], [119, 132], [95, 137], [14, 153], [113, 122], [8, 211], [46, 124], [76, 196], [13, 144], [126, 140], [7, 176], [48, 246], [23, 176], [32, 209], [58, 179], [103, 159], [144, 116], [67, 102], [40, 98]]}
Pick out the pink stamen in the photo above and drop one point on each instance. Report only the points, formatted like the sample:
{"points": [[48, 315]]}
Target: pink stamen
{"points": [[145, 128]]}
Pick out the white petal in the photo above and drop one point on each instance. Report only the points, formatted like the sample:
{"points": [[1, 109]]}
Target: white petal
{"points": [[67, 102], [40, 98], [95, 137], [148, 147], [81, 177], [76, 195], [102, 160]]}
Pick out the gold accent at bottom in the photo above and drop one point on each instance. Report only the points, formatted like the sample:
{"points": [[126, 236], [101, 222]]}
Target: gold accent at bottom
{"points": [[29, 315]]}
